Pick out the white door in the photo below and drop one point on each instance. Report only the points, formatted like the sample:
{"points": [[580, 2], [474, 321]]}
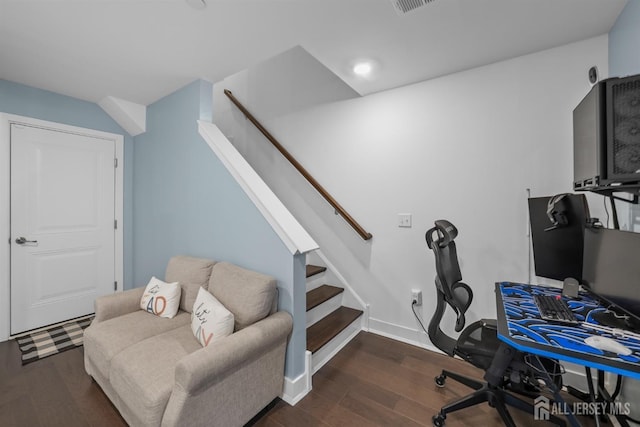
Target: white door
{"points": [[62, 225]]}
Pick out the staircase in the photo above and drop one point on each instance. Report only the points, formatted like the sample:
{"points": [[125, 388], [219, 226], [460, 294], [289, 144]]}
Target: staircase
{"points": [[330, 323]]}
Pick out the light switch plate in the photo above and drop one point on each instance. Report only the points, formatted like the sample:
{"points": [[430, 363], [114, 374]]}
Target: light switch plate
{"points": [[404, 220]]}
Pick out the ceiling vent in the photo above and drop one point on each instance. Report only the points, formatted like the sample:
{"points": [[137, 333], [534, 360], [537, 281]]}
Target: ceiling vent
{"points": [[405, 6]]}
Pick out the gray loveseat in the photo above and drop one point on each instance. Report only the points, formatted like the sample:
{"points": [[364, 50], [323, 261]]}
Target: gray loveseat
{"points": [[156, 373]]}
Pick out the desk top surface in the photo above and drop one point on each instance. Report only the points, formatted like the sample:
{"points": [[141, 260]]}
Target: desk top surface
{"points": [[520, 325]]}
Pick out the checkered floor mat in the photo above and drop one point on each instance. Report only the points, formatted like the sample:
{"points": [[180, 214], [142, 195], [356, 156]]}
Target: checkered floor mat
{"points": [[59, 338]]}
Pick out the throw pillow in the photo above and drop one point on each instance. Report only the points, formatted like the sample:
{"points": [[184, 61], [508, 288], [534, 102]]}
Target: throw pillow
{"points": [[210, 320], [161, 298]]}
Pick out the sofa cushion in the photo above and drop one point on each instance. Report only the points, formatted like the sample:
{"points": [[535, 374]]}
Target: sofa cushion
{"points": [[192, 273], [161, 298], [143, 374], [210, 320], [245, 293], [188, 296], [104, 340]]}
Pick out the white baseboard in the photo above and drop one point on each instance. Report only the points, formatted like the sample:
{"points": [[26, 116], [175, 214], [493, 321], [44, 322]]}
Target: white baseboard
{"points": [[401, 333], [574, 374], [297, 388]]}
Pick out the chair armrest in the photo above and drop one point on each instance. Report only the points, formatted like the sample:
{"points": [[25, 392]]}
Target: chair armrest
{"points": [[209, 365], [114, 305]]}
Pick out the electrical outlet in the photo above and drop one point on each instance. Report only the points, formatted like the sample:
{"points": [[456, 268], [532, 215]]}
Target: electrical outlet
{"points": [[416, 297]]}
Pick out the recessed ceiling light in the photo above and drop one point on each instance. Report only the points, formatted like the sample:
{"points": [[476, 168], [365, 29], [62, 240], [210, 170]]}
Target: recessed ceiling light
{"points": [[362, 69], [197, 4]]}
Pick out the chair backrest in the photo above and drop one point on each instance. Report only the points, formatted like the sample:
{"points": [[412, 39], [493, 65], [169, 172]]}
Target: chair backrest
{"points": [[449, 286]]}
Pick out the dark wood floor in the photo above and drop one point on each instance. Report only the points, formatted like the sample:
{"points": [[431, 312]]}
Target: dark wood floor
{"points": [[376, 381], [54, 391], [373, 381]]}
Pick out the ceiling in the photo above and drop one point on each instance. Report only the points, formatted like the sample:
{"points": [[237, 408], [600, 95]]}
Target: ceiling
{"points": [[141, 50]]}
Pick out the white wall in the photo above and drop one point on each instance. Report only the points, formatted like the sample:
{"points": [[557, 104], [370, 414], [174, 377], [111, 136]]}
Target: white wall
{"points": [[464, 147], [624, 37]]}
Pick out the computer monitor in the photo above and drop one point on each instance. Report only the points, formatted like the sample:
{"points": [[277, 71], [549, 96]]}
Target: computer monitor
{"points": [[557, 233], [612, 266]]}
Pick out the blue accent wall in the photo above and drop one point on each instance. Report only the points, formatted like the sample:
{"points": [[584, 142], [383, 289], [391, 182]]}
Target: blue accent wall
{"points": [[624, 42], [187, 203], [44, 105]]}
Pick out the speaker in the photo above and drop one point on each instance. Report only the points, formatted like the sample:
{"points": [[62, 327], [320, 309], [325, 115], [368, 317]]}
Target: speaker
{"points": [[589, 140], [606, 135], [623, 129]]}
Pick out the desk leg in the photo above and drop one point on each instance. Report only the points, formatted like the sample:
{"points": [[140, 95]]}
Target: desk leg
{"points": [[537, 364], [599, 395], [604, 396], [592, 394]]}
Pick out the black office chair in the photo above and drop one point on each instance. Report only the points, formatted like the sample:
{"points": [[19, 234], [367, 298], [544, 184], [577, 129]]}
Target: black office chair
{"points": [[506, 369]]}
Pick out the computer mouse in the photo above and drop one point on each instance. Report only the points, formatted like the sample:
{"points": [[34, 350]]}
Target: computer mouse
{"points": [[607, 344]]}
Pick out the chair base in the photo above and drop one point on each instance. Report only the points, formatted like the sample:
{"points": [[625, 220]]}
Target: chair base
{"points": [[496, 397]]}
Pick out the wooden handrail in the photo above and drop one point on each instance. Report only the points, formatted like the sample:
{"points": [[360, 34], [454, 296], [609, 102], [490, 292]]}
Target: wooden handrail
{"points": [[339, 209]]}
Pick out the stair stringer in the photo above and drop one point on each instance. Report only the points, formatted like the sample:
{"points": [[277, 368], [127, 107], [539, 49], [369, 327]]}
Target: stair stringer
{"points": [[348, 298]]}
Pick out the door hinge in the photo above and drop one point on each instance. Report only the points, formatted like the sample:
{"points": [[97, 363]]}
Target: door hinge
{"points": [[115, 162], [115, 224], [115, 286]]}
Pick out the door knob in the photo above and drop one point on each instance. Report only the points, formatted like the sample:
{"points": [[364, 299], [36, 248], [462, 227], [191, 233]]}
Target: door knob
{"points": [[22, 241]]}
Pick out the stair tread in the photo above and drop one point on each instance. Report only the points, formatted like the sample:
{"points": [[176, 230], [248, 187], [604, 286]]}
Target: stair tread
{"points": [[317, 296], [322, 332], [312, 270]]}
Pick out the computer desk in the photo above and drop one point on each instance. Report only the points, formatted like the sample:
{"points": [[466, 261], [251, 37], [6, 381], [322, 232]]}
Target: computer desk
{"points": [[520, 326]]}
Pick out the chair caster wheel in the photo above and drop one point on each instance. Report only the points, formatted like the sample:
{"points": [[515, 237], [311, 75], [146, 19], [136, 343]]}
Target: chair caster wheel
{"points": [[438, 420], [440, 380]]}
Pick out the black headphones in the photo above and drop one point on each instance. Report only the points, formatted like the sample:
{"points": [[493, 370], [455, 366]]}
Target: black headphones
{"points": [[557, 211]]}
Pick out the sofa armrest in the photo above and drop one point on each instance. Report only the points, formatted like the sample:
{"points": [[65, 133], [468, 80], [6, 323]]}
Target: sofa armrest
{"points": [[114, 305], [209, 365]]}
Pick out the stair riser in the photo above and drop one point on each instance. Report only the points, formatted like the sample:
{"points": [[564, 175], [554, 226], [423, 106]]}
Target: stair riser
{"points": [[319, 279], [330, 315], [318, 313], [330, 349], [316, 281]]}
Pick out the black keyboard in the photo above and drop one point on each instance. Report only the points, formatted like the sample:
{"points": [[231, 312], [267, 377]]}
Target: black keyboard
{"points": [[554, 309]]}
